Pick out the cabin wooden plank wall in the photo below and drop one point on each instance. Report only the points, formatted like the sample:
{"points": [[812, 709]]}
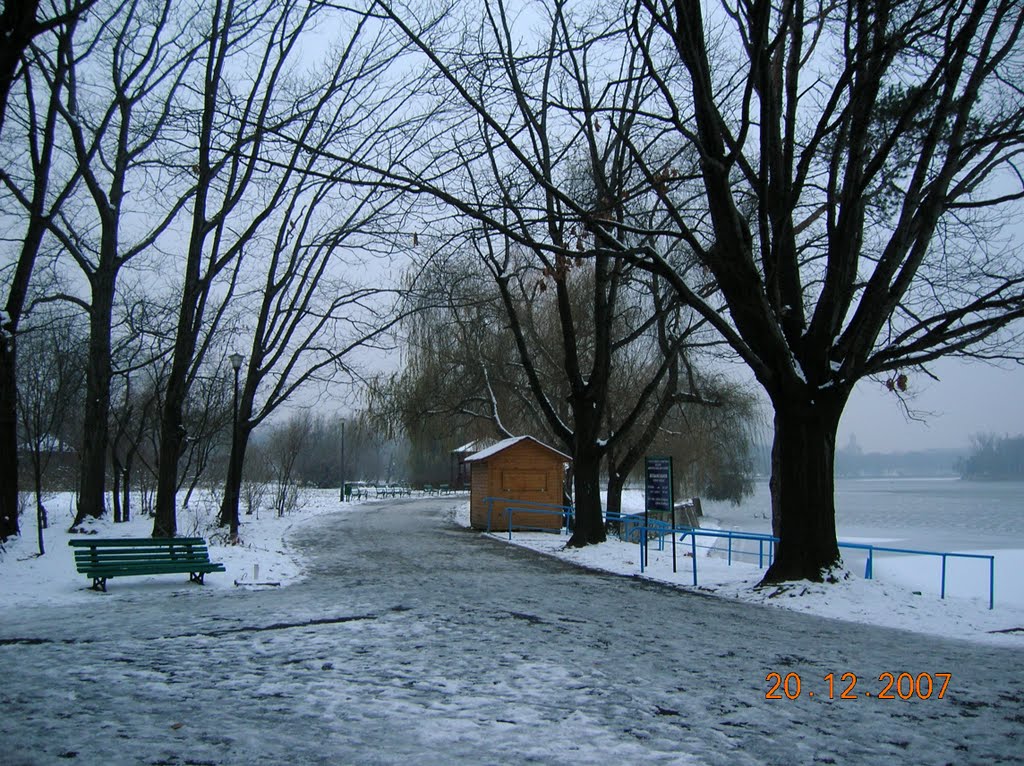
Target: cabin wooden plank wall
{"points": [[525, 471]]}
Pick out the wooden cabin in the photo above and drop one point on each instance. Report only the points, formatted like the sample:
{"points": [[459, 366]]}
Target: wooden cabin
{"points": [[460, 470], [521, 470]]}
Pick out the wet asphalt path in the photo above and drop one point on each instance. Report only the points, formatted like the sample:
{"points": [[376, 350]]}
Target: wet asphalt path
{"points": [[414, 640]]}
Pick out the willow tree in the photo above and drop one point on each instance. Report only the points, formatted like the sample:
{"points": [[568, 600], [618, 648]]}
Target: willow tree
{"points": [[515, 146], [591, 355]]}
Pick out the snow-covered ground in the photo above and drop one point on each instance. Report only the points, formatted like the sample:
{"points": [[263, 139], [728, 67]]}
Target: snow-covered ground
{"points": [[903, 593], [394, 636]]}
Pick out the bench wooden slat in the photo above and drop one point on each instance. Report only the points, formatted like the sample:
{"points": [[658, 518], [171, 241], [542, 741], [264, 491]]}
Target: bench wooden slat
{"points": [[113, 571], [126, 554], [132, 542], [85, 567]]}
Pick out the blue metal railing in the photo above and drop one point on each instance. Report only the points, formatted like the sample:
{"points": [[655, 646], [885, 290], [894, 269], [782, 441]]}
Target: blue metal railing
{"points": [[871, 549], [633, 526], [631, 523], [763, 539], [565, 511]]}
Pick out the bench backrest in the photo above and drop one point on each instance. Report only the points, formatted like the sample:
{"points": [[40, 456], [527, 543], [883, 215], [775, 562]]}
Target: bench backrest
{"points": [[133, 550]]}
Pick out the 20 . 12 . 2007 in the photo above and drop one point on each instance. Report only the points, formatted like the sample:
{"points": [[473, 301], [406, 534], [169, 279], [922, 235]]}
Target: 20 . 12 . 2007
{"points": [[890, 686]]}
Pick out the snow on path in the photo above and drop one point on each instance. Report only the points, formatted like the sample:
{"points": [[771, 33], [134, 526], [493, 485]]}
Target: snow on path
{"points": [[454, 648]]}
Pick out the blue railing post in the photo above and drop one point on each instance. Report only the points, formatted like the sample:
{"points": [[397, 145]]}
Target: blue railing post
{"points": [[730, 548], [991, 582], [693, 554], [942, 587]]}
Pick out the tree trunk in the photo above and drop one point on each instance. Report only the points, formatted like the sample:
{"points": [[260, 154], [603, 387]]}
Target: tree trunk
{"points": [[803, 488], [97, 400], [41, 521], [233, 485], [126, 492], [165, 523], [172, 429], [115, 490], [613, 503], [589, 526], [8, 437]]}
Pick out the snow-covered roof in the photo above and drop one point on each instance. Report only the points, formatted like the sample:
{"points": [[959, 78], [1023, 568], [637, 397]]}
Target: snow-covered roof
{"points": [[473, 446], [504, 444]]}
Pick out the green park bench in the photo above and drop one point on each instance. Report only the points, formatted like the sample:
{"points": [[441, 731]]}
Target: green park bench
{"points": [[102, 559]]}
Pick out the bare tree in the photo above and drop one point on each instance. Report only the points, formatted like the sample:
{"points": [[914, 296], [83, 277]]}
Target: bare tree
{"points": [[28, 180], [318, 302], [856, 158], [317, 284], [49, 387], [236, 106], [125, 65], [138, 366], [838, 176], [286, 443]]}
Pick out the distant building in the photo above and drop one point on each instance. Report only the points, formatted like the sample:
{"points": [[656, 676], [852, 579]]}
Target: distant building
{"points": [[460, 468], [58, 459]]}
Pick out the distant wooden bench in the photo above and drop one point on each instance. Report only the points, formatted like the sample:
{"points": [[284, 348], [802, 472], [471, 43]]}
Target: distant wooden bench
{"points": [[391, 490], [102, 559], [357, 491]]}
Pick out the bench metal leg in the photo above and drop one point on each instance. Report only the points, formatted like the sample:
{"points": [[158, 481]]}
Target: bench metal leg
{"points": [[99, 583], [196, 577]]}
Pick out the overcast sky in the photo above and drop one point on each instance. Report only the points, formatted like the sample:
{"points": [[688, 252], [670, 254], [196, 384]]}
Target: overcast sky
{"points": [[968, 399]]}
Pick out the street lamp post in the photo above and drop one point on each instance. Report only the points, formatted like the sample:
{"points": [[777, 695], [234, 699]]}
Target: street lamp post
{"points": [[236, 360], [341, 493]]}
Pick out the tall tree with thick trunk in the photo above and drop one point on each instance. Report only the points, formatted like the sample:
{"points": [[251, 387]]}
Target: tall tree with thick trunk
{"points": [[855, 160], [124, 71], [225, 214], [853, 163], [19, 25]]}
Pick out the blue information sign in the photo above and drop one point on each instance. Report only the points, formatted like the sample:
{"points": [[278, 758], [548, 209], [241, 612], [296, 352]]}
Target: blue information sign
{"points": [[658, 484]]}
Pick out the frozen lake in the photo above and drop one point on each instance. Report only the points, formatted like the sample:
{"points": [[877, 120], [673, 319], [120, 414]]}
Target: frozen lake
{"points": [[949, 515]]}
